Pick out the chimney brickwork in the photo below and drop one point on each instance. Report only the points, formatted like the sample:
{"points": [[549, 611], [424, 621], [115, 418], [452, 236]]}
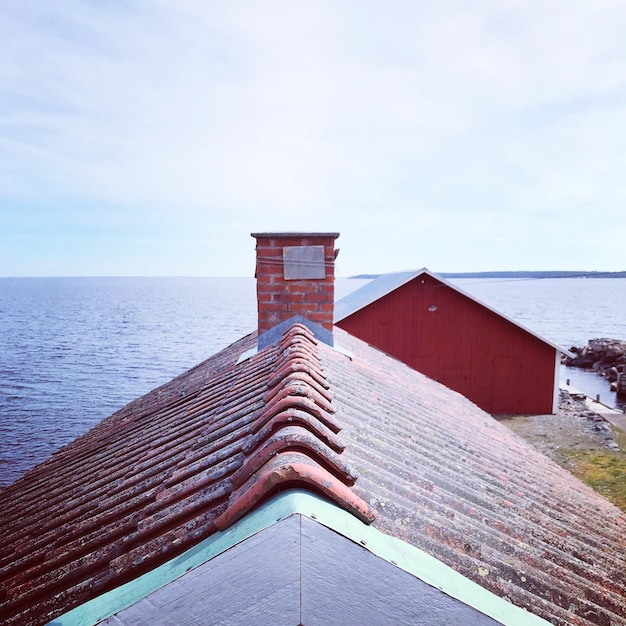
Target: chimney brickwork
{"points": [[295, 275]]}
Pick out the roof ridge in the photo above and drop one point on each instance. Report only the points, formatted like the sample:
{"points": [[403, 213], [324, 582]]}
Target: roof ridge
{"points": [[294, 439], [298, 471]]}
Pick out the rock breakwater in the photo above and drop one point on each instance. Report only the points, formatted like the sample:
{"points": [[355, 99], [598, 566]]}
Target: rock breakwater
{"points": [[605, 356]]}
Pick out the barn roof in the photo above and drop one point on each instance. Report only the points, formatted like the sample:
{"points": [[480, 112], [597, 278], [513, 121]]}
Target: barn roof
{"points": [[392, 449], [387, 283]]}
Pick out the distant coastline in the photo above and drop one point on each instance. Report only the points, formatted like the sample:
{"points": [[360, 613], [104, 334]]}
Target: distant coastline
{"points": [[512, 275]]}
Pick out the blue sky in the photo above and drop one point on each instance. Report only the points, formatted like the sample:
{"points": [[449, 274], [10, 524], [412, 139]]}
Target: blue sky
{"points": [[152, 137]]}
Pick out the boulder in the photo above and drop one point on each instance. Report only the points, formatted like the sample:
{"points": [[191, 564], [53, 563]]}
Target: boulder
{"points": [[605, 356]]}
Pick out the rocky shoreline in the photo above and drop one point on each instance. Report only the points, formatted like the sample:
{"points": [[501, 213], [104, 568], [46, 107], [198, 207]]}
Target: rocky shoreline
{"points": [[574, 425], [606, 357], [574, 408]]}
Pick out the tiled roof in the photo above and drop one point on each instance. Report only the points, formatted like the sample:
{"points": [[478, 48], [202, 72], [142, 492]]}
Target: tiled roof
{"points": [[366, 432], [449, 479]]}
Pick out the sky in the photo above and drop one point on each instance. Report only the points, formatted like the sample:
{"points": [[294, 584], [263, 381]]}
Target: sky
{"points": [[150, 138]]}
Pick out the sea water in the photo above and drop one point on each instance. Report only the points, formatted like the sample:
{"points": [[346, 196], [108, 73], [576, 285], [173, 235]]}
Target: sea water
{"points": [[74, 350]]}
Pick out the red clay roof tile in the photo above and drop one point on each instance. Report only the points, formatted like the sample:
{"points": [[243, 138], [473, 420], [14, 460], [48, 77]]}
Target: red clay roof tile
{"points": [[292, 469], [292, 416]]}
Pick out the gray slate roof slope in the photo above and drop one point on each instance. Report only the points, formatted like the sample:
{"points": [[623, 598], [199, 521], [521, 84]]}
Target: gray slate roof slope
{"points": [[298, 571], [372, 291]]}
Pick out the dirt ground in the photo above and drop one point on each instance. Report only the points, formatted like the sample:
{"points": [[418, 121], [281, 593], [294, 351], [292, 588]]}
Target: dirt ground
{"points": [[581, 442]]}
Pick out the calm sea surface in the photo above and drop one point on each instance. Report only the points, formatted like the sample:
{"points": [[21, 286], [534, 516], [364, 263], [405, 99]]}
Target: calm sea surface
{"points": [[74, 350]]}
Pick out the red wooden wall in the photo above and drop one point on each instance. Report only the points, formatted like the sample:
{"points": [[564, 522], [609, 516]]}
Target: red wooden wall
{"points": [[466, 346]]}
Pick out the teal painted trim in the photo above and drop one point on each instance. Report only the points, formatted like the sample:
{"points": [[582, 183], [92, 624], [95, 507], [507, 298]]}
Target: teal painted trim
{"points": [[125, 595], [397, 552], [418, 563]]}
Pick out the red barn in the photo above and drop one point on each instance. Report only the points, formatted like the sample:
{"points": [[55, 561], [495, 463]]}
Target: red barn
{"points": [[445, 333]]}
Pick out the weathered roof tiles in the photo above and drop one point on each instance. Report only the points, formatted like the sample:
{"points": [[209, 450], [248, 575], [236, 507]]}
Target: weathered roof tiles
{"points": [[451, 480], [167, 471], [397, 450]]}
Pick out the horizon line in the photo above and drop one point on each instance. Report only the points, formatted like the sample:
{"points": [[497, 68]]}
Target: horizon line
{"points": [[363, 275]]}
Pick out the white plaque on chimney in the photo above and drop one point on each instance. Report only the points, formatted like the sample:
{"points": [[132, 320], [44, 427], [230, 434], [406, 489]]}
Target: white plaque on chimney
{"points": [[303, 262]]}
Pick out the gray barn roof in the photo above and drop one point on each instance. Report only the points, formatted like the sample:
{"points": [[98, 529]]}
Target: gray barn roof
{"points": [[387, 283]]}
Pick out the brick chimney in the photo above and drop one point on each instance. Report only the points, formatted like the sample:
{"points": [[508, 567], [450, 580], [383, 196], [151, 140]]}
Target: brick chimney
{"points": [[295, 275]]}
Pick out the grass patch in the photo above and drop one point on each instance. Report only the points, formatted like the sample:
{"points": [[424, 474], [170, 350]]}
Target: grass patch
{"points": [[604, 471]]}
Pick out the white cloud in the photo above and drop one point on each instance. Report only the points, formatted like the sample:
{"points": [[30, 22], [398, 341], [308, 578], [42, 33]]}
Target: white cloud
{"points": [[451, 124]]}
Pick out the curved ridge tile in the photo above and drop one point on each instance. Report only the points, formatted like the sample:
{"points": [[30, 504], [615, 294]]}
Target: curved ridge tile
{"points": [[300, 365], [295, 438], [294, 417], [298, 330], [295, 338], [292, 468], [293, 402], [292, 408], [307, 392], [300, 389], [298, 423], [297, 378], [298, 351]]}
